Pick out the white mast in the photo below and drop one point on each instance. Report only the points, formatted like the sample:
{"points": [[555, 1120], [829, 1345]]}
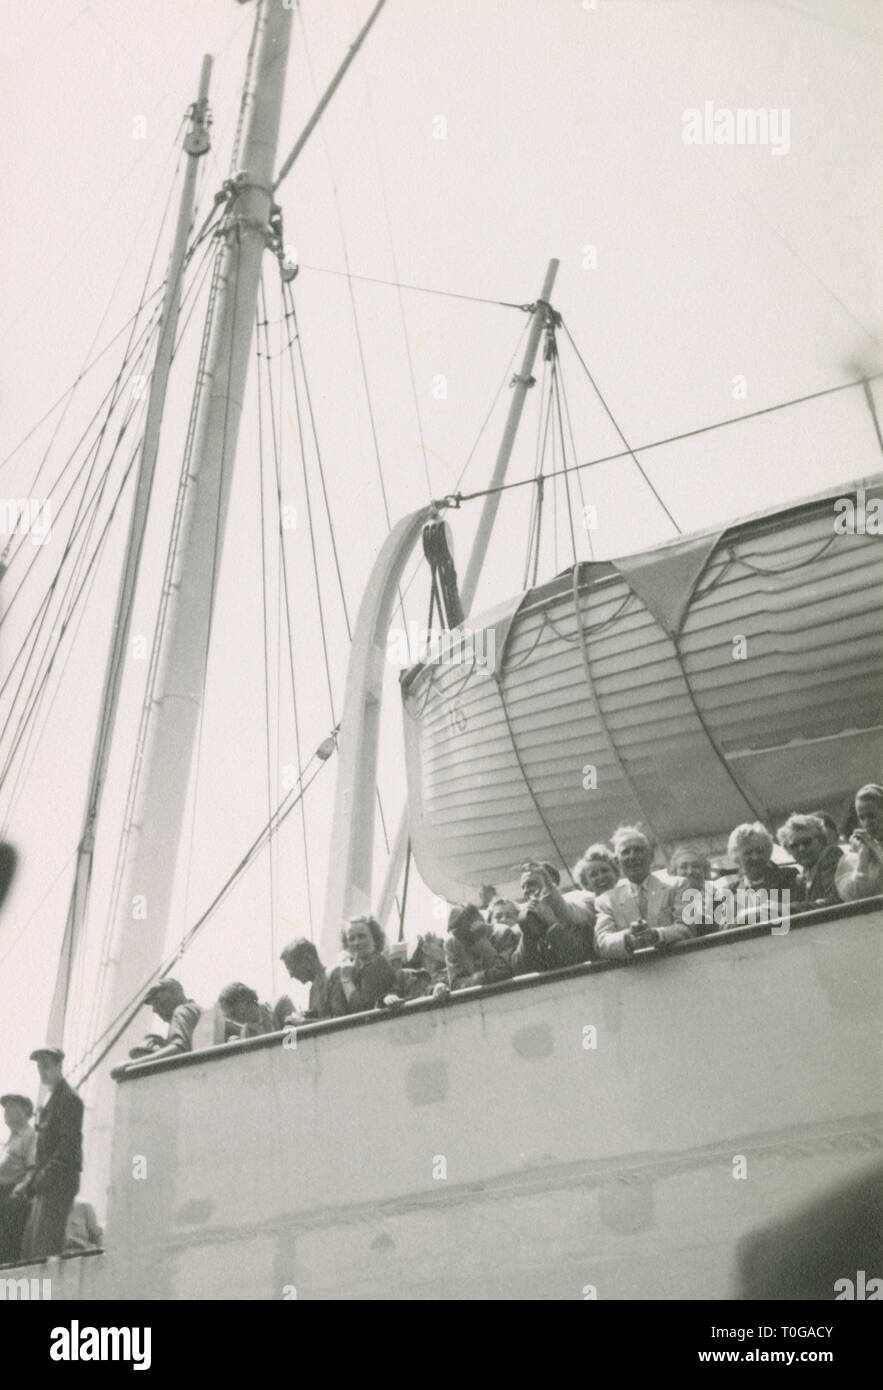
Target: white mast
{"points": [[196, 142], [166, 766]]}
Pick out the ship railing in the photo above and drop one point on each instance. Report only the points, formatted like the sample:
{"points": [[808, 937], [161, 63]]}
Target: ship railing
{"points": [[715, 941]]}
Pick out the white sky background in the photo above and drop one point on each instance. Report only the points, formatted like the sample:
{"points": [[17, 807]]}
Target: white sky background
{"points": [[563, 129]]}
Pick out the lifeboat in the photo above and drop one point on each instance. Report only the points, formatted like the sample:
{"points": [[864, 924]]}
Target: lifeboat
{"points": [[727, 676]]}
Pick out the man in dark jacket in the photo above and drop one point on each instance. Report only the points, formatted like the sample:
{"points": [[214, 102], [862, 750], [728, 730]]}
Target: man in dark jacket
{"points": [[55, 1179]]}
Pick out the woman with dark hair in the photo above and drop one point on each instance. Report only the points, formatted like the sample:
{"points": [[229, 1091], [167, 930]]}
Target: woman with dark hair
{"points": [[365, 979]]}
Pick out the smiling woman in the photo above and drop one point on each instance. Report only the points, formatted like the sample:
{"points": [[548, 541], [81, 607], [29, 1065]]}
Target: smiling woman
{"points": [[365, 978]]}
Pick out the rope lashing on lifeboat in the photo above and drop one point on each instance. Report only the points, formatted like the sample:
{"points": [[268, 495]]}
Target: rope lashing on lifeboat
{"points": [[523, 770], [669, 605], [596, 704]]}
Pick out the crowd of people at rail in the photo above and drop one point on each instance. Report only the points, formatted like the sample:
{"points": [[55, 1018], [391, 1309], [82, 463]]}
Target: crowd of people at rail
{"points": [[616, 906]]}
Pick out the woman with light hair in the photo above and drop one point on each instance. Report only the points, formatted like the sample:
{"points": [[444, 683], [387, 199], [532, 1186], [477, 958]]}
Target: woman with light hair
{"points": [[692, 863], [751, 847], [596, 871], [806, 840]]}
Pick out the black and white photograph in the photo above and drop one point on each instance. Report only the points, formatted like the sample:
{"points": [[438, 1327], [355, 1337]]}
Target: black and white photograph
{"points": [[441, 666]]}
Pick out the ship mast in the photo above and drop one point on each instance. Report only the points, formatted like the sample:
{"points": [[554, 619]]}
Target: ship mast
{"points": [[196, 143], [348, 889], [158, 821]]}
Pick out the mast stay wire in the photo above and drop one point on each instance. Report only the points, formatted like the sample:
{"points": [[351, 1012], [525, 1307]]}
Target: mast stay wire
{"points": [[121, 1022], [155, 293], [165, 594], [110, 395], [566, 476], [455, 499], [110, 399], [265, 607], [144, 290], [392, 255], [574, 456], [309, 400], [417, 289], [43, 608], [159, 627], [213, 587], [81, 519], [614, 423], [285, 330], [72, 607]]}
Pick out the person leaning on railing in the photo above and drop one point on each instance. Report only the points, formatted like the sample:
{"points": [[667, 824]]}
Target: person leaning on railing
{"points": [[241, 1013], [557, 929], [365, 979], [471, 956], [168, 999], [644, 909], [425, 971], [301, 960], [860, 871], [806, 840], [691, 864]]}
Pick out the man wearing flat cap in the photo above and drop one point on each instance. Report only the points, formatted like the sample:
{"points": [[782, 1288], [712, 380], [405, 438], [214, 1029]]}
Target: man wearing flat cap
{"points": [[167, 998], [15, 1165], [58, 1161]]}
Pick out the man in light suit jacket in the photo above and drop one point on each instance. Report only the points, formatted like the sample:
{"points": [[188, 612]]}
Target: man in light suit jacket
{"points": [[644, 909]]}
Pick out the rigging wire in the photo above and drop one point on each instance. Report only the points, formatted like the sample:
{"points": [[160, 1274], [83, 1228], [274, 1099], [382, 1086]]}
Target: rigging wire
{"points": [[117, 1027], [72, 608], [418, 289], [566, 476], [115, 391], [143, 341], [144, 289], [159, 627], [285, 327], [395, 270], [506, 378], [81, 519], [457, 498], [43, 610], [259, 323], [216, 558], [285, 331], [615, 425], [573, 453]]}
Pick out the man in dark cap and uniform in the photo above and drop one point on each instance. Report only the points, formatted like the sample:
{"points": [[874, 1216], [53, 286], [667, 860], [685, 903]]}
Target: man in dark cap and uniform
{"points": [[55, 1178], [15, 1165]]}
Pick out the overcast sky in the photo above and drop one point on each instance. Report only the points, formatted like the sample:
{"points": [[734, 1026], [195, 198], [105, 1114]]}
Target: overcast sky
{"points": [[562, 126]]}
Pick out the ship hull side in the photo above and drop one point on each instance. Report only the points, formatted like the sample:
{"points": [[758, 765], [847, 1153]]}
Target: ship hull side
{"points": [[498, 1148]]}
